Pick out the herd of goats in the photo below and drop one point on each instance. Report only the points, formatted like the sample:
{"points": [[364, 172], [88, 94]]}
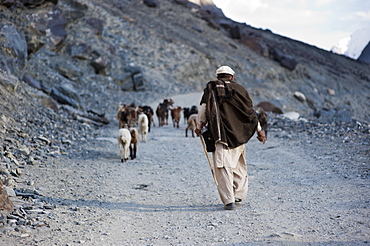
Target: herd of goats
{"points": [[135, 122]]}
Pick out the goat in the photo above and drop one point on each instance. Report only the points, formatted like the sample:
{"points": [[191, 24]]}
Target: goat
{"points": [[176, 115], [122, 116], [124, 141], [126, 115], [162, 111], [186, 114], [191, 124], [189, 111], [134, 142], [143, 125], [149, 113], [262, 118]]}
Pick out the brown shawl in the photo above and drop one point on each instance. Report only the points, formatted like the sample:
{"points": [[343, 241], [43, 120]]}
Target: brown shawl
{"points": [[229, 112]]}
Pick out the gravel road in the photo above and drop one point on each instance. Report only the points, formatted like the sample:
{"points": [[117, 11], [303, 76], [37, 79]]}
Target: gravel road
{"points": [[300, 193]]}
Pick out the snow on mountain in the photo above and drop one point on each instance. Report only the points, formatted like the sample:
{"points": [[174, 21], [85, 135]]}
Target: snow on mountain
{"points": [[342, 46], [353, 46]]}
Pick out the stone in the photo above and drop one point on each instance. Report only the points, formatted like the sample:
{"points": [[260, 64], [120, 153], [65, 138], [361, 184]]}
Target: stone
{"points": [[291, 115], [300, 96], [5, 204], [330, 92], [66, 94], [150, 3], [269, 107], [13, 49]]}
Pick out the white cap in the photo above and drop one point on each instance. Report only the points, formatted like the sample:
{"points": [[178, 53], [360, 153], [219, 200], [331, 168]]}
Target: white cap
{"points": [[225, 69]]}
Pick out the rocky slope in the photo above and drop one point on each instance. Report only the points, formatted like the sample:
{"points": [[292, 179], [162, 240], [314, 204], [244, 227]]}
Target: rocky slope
{"points": [[79, 52]]}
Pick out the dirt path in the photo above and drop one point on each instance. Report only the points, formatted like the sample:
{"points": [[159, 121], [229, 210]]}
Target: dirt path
{"points": [[167, 196]]}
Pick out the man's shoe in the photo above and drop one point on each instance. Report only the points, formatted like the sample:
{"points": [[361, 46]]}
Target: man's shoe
{"points": [[237, 200], [230, 206]]}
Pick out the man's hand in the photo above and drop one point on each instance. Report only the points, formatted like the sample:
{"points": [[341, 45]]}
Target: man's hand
{"points": [[261, 136], [198, 132]]}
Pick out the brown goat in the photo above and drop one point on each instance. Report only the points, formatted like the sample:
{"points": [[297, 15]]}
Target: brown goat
{"points": [[176, 115], [162, 111], [134, 142], [127, 114], [191, 124]]}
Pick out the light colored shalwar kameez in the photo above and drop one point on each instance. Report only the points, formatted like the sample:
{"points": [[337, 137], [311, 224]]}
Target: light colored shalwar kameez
{"points": [[230, 167]]}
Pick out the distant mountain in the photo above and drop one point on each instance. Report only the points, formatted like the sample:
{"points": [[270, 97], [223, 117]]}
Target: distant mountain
{"points": [[353, 45]]}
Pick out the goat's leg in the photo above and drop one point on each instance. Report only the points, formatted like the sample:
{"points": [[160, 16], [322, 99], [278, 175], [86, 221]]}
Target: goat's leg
{"points": [[126, 152], [131, 153], [121, 153], [135, 148]]}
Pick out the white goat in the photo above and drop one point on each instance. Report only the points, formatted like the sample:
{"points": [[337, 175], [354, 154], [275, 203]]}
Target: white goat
{"points": [[124, 141], [143, 125]]}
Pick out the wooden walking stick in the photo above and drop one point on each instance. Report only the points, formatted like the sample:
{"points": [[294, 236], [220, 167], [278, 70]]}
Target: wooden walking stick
{"points": [[209, 160]]}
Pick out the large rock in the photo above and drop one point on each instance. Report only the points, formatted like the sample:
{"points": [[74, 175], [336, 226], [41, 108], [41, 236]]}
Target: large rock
{"points": [[66, 94], [13, 49], [151, 3], [46, 27], [100, 64], [131, 79], [6, 206], [287, 61]]}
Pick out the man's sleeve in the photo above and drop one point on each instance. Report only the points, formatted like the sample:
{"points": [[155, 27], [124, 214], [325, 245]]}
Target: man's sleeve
{"points": [[259, 128], [201, 119]]}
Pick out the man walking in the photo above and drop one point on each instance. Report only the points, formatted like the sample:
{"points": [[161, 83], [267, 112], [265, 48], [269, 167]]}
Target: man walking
{"points": [[226, 110]]}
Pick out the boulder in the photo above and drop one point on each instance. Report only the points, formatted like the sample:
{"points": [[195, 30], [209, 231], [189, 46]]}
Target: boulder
{"points": [[100, 64], [269, 107], [32, 82], [6, 206], [150, 3], [7, 3], [46, 28], [291, 115], [131, 79], [66, 94], [284, 60], [289, 62], [300, 96], [13, 49]]}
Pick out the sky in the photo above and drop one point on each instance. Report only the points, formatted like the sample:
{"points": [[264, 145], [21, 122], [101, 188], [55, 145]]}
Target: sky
{"points": [[322, 23]]}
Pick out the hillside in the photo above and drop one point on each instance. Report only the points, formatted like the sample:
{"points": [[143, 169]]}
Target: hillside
{"points": [[111, 52]]}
